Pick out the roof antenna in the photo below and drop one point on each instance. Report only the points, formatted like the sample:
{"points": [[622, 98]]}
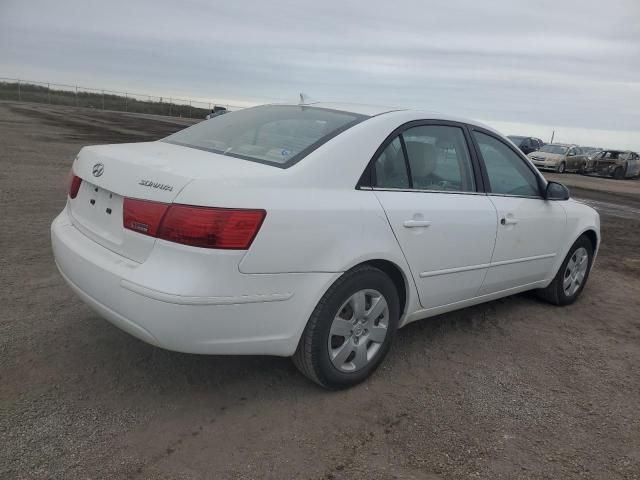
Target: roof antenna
{"points": [[304, 99]]}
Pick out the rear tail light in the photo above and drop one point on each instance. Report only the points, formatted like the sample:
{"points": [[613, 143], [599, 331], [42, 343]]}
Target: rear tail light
{"points": [[143, 216], [206, 227], [211, 227], [74, 185]]}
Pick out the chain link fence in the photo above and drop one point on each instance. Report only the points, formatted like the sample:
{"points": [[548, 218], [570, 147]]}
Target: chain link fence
{"points": [[102, 99]]}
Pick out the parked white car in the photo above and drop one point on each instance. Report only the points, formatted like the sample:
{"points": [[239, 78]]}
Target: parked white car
{"points": [[314, 231]]}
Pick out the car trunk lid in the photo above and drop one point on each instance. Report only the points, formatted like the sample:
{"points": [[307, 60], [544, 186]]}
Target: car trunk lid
{"points": [[155, 171]]}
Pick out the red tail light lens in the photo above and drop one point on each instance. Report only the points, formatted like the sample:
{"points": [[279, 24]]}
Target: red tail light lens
{"points": [[74, 185], [205, 227], [143, 216]]}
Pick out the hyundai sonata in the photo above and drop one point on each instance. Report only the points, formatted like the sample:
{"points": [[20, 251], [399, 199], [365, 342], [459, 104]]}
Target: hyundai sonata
{"points": [[314, 231]]}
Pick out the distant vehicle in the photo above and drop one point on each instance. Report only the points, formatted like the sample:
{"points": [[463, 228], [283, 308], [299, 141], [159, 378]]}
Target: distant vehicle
{"points": [[216, 111], [560, 157], [314, 231], [591, 155], [526, 144], [591, 151], [618, 164]]}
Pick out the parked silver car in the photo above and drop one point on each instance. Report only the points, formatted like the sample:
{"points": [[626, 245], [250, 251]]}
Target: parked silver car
{"points": [[560, 157]]}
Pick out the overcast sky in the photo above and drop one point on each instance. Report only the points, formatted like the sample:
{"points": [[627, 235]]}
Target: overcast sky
{"points": [[525, 67]]}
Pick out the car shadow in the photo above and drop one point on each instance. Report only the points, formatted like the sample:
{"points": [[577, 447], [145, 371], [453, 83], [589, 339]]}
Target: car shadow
{"points": [[125, 363]]}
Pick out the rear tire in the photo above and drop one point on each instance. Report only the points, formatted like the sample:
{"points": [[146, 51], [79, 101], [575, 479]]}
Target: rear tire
{"points": [[351, 329], [572, 275], [618, 173], [583, 169]]}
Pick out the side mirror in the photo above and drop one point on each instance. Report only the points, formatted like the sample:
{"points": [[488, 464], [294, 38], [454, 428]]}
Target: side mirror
{"points": [[556, 191]]}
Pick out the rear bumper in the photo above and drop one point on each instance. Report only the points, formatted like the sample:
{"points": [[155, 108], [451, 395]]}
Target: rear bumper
{"points": [[187, 299]]}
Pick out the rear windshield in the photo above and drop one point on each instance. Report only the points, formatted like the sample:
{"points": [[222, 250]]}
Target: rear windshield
{"points": [[278, 135]]}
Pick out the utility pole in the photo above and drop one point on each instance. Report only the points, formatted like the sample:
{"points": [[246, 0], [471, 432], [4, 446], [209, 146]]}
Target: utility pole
{"points": [[49, 93], [76, 95], [170, 102], [19, 93], [553, 134]]}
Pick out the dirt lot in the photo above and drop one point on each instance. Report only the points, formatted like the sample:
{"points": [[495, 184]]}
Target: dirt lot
{"points": [[511, 389]]}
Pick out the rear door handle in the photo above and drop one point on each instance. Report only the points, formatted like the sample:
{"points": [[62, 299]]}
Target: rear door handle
{"points": [[416, 223], [508, 221]]}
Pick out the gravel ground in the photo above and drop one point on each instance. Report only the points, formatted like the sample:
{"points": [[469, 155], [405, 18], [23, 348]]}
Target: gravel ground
{"points": [[511, 389]]}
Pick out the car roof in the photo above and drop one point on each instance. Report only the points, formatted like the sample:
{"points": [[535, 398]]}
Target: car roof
{"points": [[406, 114], [359, 108]]}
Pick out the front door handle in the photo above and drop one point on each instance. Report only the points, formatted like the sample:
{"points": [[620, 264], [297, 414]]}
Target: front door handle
{"points": [[416, 223], [508, 221]]}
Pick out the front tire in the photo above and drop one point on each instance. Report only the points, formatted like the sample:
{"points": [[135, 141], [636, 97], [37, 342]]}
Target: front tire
{"points": [[562, 167], [351, 329], [572, 275]]}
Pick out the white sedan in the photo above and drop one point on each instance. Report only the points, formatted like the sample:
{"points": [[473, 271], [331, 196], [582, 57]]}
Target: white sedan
{"points": [[314, 231]]}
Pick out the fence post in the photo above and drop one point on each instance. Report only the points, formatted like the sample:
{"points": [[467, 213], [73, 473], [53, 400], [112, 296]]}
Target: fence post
{"points": [[102, 99], [49, 93], [19, 93]]}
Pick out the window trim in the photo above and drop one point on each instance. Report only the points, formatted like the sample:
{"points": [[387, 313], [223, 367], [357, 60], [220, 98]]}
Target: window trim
{"points": [[541, 181], [407, 164], [367, 179]]}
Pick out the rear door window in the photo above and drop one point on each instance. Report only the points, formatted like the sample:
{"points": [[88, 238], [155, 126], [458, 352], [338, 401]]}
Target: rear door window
{"points": [[439, 158], [427, 157], [390, 167]]}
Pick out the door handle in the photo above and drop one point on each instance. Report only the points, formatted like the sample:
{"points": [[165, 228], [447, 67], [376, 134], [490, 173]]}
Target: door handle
{"points": [[416, 223], [508, 221]]}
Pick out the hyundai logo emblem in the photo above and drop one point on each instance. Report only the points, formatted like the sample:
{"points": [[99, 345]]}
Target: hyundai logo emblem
{"points": [[98, 169]]}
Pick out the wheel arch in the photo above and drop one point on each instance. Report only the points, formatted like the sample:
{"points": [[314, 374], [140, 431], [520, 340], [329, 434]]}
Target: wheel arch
{"points": [[592, 236], [399, 273], [398, 278]]}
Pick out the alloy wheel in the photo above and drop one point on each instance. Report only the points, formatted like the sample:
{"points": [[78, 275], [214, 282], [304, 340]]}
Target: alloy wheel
{"points": [[358, 330], [575, 272]]}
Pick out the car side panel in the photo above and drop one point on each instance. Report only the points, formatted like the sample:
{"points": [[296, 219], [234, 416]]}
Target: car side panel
{"points": [[580, 219], [449, 257], [321, 231], [526, 249], [576, 162]]}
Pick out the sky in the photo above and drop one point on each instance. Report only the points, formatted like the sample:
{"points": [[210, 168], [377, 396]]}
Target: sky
{"points": [[525, 67]]}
